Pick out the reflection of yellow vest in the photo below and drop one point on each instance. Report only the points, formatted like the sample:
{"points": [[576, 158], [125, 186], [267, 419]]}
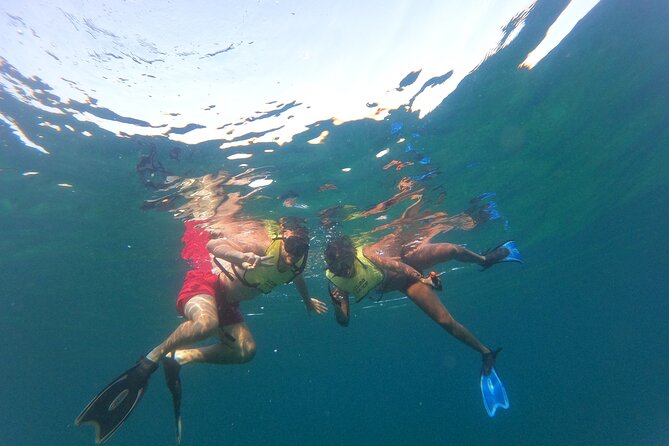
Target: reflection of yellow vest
{"points": [[265, 278], [366, 277]]}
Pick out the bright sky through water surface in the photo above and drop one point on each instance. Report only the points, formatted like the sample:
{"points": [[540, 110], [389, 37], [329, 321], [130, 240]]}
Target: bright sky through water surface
{"points": [[261, 72]]}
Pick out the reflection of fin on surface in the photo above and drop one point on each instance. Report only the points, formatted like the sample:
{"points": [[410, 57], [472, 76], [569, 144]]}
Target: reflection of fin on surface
{"points": [[494, 394], [506, 252], [111, 407], [173, 381]]}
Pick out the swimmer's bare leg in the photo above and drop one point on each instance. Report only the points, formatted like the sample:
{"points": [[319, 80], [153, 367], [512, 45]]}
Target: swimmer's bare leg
{"points": [[426, 299], [201, 323], [430, 254], [237, 346]]}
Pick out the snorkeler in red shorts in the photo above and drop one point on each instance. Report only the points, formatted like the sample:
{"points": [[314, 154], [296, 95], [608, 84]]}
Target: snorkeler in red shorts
{"points": [[225, 272]]}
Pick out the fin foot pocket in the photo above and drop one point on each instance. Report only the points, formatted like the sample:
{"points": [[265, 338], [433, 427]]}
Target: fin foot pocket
{"points": [[506, 252]]}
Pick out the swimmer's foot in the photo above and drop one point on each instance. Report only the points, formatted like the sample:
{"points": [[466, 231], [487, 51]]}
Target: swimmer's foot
{"points": [[506, 252]]}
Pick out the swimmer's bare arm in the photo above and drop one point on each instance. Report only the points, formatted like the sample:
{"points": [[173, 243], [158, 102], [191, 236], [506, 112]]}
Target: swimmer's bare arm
{"points": [[311, 303], [392, 265], [338, 294], [340, 301], [244, 254]]}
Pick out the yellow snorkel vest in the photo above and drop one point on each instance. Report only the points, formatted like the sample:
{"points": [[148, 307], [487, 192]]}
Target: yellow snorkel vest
{"points": [[366, 277], [266, 278]]}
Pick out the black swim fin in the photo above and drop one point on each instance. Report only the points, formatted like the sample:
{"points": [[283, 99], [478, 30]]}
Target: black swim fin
{"points": [[172, 368], [109, 409]]}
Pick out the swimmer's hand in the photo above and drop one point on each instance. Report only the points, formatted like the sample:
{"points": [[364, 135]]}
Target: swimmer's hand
{"points": [[433, 280], [337, 296], [316, 305], [425, 281], [251, 260]]}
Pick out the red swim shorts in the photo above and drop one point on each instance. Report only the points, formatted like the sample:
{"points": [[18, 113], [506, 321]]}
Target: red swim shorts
{"points": [[201, 280], [195, 245], [204, 282]]}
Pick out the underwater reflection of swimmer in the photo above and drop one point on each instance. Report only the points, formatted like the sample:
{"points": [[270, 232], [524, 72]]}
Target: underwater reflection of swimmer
{"points": [[161, 203], [175, 153], [327, 186], [151, 171], [483, 208], [233, 261], [398, 165], [330, 216], [392, 264]]}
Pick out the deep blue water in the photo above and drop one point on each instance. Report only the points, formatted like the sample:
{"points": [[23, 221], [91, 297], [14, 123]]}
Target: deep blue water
{"points": [[576, 151]]}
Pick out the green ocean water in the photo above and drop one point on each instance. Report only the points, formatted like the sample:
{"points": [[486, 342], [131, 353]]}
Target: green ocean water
{"points": [[576, 151]]}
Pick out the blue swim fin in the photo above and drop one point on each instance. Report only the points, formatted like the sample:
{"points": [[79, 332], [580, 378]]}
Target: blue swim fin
{"points": [[494, 394], [514, 253], [506, 252]]}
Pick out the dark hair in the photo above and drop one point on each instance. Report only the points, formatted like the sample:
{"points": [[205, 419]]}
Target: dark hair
{"points": [[338, 249], [296, 246], [297, 243]]}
